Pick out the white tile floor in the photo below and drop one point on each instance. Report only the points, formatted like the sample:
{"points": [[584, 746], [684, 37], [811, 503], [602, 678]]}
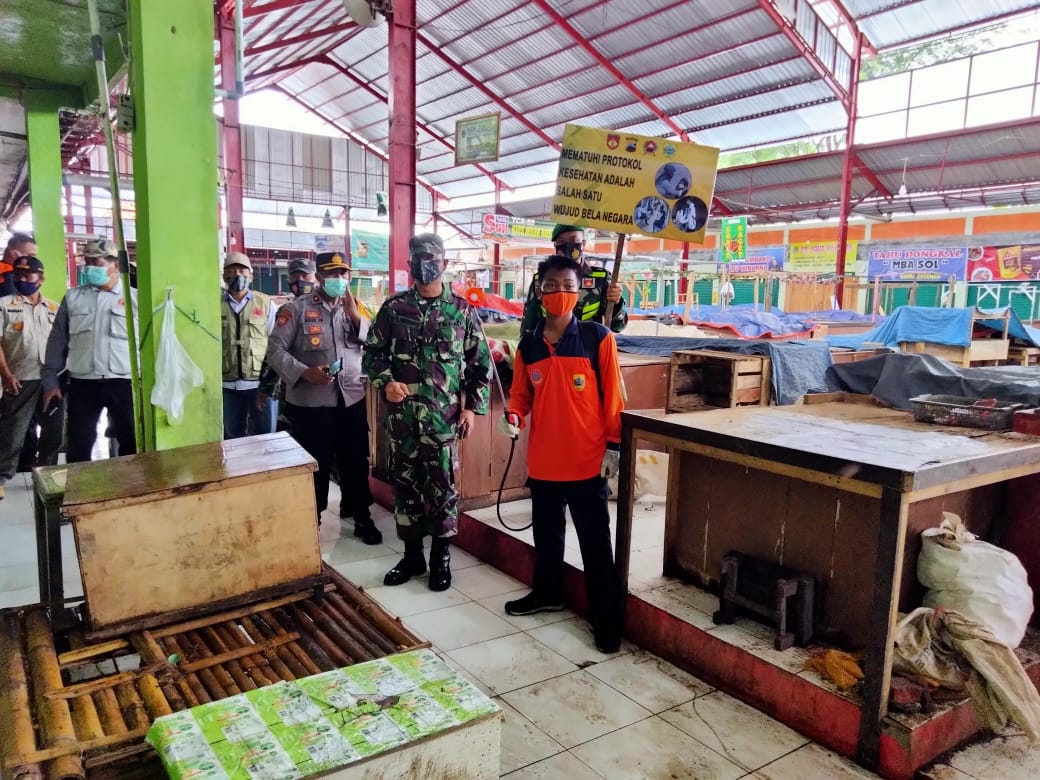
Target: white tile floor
{"points": [[570, 711]]}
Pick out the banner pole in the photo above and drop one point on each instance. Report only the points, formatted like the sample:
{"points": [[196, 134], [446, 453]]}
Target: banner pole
{"points": [[614, 276]]}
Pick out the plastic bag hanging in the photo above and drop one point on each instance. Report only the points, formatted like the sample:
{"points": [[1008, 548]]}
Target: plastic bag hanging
{"points": [[176, 374]]}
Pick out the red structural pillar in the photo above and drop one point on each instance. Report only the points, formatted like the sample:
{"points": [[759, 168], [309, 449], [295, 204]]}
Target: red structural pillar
{"points": [[231, 136], [846, 176], [684, 267], [496, 264], [401, 103]]}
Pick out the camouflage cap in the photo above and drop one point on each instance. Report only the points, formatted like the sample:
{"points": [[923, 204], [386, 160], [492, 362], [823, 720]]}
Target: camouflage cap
{"points": [[426, 244], [98, 248], [301, 265]]}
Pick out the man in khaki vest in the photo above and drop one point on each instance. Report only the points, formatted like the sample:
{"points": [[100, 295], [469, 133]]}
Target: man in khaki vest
{"points": [[246, 320]]}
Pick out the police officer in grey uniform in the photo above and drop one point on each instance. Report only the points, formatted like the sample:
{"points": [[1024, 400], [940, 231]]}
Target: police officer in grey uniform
{"points": [[89, 338], [316, 349]]}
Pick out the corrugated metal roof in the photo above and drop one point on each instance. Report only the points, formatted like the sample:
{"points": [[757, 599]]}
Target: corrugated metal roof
{"points": [[889, 24], [726, 72]]}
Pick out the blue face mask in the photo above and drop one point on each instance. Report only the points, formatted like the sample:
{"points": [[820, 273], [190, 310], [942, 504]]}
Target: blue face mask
{"points": [[26, 288], [334, 286], [95, 275]]}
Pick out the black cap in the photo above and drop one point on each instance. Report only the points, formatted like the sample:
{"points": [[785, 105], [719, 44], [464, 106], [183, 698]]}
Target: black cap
{"points": [[29, 263], [331, 261], [301, 265]]}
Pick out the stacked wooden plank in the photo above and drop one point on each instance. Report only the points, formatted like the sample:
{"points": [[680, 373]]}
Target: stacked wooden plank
{"points": [[124, 683]]}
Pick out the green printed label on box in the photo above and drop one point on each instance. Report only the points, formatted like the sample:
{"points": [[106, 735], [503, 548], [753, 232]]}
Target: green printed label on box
{"points": [[418, 714], [462, 698], [379, 677], [283, 702], [178, 737], [371, 733], [421, 666], [332, 689], [315, 746], [233, 719], [198, 768], [257, 758]]}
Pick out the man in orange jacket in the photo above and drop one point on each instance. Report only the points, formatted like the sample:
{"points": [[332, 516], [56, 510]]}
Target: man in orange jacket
{"points": [[566, 377]]}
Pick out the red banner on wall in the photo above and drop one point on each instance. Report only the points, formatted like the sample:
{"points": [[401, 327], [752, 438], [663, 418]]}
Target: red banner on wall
{"points": [[1004, 263]]}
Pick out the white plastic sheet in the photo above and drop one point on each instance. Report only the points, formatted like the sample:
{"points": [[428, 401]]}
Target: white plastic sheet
{"points": [[977, 579], [176, 375]]}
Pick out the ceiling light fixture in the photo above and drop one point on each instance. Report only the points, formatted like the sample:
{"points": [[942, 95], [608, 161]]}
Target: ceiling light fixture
{"points": [[902, 187], [290, 218], [326, 221]]}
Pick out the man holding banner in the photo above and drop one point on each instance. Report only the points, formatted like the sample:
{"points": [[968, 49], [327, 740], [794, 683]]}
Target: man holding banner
{"points": [[597, 293]]}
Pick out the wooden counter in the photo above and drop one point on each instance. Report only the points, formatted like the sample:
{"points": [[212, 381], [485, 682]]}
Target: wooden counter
{"points": [[841, 491], [483, 456]]}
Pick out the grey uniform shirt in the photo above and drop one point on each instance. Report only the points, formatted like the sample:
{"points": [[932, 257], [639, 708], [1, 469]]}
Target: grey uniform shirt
{"points": [[24, 328], [90, 336], [310, 331]]}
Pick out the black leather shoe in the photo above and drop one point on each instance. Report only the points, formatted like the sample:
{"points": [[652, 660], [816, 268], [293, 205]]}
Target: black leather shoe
{"points": [[411, 565], [366, 531], [440, 565]]}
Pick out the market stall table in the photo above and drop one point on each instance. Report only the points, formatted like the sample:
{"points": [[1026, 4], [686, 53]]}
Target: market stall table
{"points": [[840, 491]]}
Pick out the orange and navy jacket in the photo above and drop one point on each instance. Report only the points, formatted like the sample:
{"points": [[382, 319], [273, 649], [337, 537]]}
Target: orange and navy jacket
{"points": [[570, 426]]}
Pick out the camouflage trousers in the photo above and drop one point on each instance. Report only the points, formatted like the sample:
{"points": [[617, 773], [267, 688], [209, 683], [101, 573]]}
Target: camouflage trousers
{"points": [[422, 472]]}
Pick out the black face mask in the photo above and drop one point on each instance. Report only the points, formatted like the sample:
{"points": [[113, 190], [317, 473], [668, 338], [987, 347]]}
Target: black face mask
{"points": [[569, 249], [425, 269], [301, 287]]}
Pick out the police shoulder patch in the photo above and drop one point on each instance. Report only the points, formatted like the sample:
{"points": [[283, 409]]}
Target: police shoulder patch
{"points": [[284, 315], [588, 283], [578, 380]]}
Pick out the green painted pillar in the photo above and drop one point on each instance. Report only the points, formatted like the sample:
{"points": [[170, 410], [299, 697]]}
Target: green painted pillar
{"points": [[45, 188], [175, 186]]}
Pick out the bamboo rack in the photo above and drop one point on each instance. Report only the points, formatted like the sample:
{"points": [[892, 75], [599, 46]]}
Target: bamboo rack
{"points": [[97, 723]]}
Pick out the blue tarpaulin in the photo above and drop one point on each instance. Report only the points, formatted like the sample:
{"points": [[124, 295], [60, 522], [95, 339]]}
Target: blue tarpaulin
{"points": [[936, 326], [797, 366], [743, 321]]}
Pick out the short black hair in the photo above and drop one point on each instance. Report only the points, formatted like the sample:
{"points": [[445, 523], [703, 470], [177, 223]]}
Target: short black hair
{"points": [[558, 263], [18, 239]]}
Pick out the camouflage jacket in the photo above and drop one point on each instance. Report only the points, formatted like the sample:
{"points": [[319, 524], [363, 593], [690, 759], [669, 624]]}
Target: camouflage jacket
{"points": [[437, 348], [592, 302]]}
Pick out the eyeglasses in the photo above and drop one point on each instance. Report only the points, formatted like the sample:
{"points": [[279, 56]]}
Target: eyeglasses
{"points": [[568, 285]]}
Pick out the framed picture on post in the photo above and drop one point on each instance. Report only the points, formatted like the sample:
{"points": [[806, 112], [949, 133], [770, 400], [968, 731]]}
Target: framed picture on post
{"points": [[476, 139]]}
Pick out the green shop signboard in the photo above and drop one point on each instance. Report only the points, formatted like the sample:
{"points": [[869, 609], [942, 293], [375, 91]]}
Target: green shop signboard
{"points": [[734, 239], [369, 251]]}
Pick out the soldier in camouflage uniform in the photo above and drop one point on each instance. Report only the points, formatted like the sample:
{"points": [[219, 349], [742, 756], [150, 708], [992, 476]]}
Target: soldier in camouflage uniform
{"points": [[426, 349], [595, 295]]}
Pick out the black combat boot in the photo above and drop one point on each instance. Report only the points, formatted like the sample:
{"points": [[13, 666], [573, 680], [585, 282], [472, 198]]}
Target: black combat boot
{"points": [[411, 565], [365, 529], [440, 564]]}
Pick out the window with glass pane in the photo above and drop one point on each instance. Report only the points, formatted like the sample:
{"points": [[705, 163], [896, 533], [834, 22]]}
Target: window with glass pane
{"points": [[1002, 69], [939, 83], [883, 127], [879, 96], [936, 119], [1000, 106]]}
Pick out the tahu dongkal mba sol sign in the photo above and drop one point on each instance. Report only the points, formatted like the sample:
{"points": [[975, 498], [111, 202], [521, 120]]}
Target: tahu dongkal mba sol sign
{"points": [[629, 183]]}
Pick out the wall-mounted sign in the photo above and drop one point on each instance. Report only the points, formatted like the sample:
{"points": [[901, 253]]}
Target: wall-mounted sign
{"points": [[917, 263], [734, 238], [759, 259], [1004, 263], [628, 183], [820, 257], [502, 228], [476, 139]]}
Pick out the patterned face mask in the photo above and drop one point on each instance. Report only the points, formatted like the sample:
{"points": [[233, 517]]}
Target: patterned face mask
{"points": [[425, 269], [570, 249]]}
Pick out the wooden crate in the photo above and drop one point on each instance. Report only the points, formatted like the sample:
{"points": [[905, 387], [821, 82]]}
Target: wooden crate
{"points": [[699, 379], [1023, 356], [73, 709], [161, 534], [978, 352]]}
